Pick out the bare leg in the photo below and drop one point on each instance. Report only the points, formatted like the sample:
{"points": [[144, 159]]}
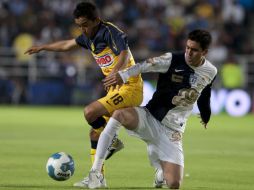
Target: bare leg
{"points": [[93, 114], [94, 110], [127, 117], [173, 174]]}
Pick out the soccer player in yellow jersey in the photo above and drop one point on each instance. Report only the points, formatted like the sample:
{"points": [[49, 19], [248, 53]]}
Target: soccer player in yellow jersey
{"points": [[109, 46]]}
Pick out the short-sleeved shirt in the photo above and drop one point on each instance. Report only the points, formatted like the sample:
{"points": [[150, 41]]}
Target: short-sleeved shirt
{"points": [[106, 47]]}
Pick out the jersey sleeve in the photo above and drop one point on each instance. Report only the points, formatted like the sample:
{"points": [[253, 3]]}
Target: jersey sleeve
{"points": [[203, 103], [116, 39], [157, 64], [80, 40]]}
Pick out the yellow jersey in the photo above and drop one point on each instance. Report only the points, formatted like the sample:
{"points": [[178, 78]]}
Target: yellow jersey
{"points": [[106, 47]]}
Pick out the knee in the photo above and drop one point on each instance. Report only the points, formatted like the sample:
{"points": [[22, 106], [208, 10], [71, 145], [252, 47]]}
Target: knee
{"points": [[173, 184], [127, 117], [120, 116], [173, 180], [89, 114]]}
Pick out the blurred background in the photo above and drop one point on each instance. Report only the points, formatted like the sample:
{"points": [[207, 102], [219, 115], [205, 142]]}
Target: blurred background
{"points": [[153, 28]]}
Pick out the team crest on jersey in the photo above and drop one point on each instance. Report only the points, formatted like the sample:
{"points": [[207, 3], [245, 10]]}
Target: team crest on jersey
{"points": [[105, 60], [92, 47], [193, 79]]}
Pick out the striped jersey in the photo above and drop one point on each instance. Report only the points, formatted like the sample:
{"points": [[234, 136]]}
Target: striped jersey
{"points": [[106, 47]]}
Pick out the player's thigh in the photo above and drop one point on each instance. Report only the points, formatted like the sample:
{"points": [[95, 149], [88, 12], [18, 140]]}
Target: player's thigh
{"points": [[128, 117], [122, 98], [95, 110], [169, 146], [146, 128]]}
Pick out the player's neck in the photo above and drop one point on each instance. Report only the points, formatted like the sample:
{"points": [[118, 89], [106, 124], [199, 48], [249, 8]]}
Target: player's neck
{"points": [[96, 29], [200, 63]]}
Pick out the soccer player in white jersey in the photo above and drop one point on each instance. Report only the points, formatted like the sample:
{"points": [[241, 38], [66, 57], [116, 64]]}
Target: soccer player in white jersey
{"points": [[185, 77]]}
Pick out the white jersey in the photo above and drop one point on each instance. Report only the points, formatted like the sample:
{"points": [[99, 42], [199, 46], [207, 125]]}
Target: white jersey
{"points": [[179, 87]]}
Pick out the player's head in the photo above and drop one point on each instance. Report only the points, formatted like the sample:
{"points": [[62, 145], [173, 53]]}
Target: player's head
{"points": [[197, 46], [86, 16]]}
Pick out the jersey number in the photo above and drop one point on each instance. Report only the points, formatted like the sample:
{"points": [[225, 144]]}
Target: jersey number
{"points": [[116, 99], [185, 97]]}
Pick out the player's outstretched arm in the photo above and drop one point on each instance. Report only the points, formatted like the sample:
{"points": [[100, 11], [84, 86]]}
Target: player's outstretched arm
{"points": [[59, 46], [156, 64]]}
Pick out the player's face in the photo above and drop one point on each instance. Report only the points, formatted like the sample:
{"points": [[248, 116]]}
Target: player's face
{"points": [[194, 53], [88, 27]]}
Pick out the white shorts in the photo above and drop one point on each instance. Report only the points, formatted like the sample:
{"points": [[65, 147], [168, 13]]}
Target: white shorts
{"points": [[163, 143]]}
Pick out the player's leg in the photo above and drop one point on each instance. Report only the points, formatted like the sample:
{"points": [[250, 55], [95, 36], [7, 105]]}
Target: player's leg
{"points": [[168, 149], [93, 114], [126, 117], [159, 181], [129, 119], [126, 96], [172, 174], [115, 99], [164, 144]]}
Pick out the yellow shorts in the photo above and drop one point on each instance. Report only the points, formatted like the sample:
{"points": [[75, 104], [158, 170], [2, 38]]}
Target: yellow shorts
{"points": [[128, 95]]}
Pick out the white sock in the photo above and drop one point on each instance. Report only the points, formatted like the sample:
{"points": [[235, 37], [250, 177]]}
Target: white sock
{"points": [[105, 141], [160, 176]]}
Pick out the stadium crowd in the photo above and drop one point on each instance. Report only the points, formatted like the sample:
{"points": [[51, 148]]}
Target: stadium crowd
{"points": [[152, 26]]}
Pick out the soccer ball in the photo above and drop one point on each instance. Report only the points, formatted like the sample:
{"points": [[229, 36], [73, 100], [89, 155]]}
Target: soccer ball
{"points": [[60, 166]]}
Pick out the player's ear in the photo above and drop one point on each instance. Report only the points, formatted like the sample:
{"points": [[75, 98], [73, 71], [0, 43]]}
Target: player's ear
{"points": [[97, 20], [205, 52]]}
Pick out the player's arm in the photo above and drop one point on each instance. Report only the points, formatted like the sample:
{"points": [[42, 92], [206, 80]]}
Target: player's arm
{"points": [[156, 64], [59, 46], [203, 103], [123, 60], [117, 40]]}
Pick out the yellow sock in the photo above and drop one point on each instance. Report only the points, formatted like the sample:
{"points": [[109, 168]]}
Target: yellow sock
{"points": [[92, 154]]}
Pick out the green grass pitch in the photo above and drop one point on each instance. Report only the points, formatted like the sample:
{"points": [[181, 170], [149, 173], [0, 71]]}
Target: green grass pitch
{"points": [[221, 157]]}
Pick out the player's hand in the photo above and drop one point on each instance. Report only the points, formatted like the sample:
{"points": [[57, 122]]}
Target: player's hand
{"points": [[150, 60], [32, 50], [113, 79], [202, 122]]}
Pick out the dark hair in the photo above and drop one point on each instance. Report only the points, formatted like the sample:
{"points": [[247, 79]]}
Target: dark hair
{"points": [[203, 37], [86, 9]]}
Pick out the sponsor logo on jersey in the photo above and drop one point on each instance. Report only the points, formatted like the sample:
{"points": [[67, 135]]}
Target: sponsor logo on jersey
{"points": [[177, 78], [105, 60], [178, 70]]}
